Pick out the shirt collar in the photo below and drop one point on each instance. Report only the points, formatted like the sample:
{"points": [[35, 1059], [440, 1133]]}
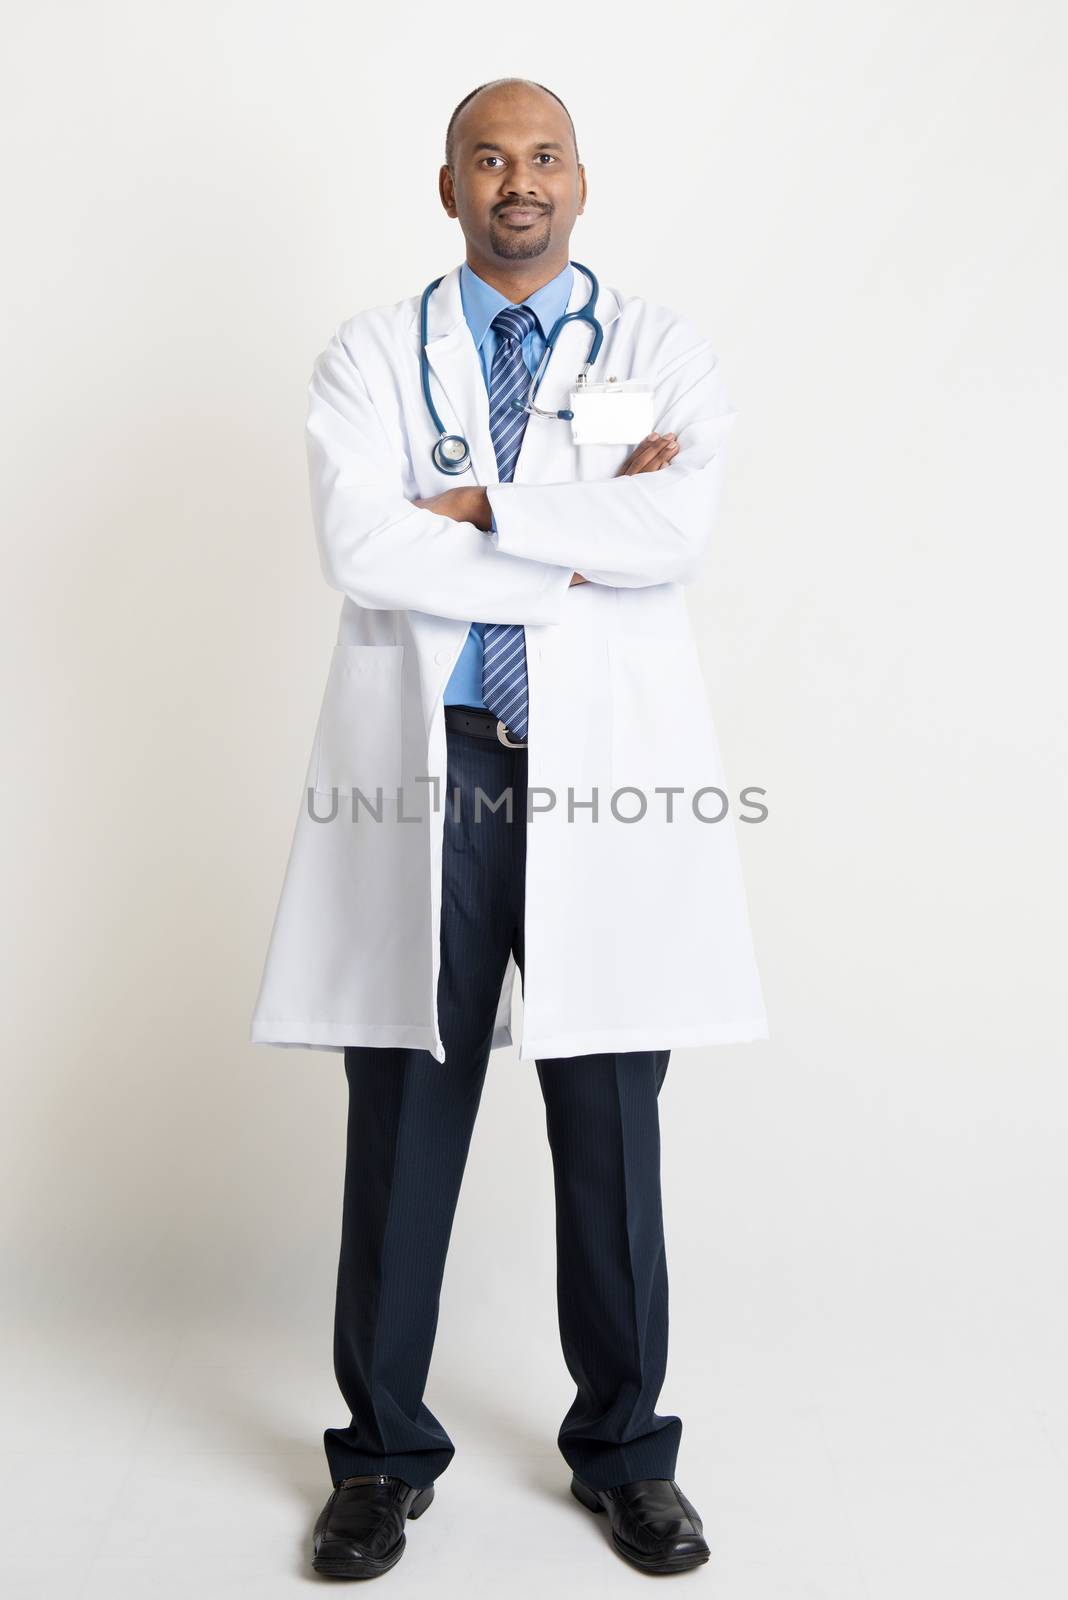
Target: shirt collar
{"points": [[481, 302]]}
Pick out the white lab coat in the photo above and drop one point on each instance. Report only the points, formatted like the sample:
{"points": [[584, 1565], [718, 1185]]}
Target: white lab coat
{"points": [[637, 933]]}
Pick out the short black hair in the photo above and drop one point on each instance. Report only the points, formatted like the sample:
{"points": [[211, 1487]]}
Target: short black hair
{"points": [[494, 84]]}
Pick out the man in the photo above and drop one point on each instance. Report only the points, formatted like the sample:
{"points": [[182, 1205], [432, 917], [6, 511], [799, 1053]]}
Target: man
{"points": [[525, 621]]}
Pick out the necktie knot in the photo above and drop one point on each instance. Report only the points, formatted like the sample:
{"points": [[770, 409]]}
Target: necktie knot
{"points": [[514, 322]]}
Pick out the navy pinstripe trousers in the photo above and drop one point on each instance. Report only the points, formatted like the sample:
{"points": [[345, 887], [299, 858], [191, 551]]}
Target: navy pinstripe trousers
{"points": [[410, 1121]]}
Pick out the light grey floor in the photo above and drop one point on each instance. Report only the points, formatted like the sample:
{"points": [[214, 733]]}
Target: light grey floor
{"points": [[144, 1459], [867, 1309]]}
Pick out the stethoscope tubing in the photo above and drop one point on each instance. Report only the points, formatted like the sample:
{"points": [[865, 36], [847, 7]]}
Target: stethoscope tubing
{"points": [[451, 453]]}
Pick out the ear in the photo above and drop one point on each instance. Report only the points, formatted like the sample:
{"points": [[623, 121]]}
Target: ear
{"points": [[582, 189], [447, 191]]}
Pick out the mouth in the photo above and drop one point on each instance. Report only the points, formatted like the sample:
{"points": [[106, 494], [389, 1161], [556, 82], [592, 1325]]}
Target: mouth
{"points": [[521, 216]]}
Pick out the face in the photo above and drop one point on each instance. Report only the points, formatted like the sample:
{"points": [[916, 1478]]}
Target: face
{"points": [[516, 185]]}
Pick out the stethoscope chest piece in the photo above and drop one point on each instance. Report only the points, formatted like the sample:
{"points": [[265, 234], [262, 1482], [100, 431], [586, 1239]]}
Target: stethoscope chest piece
{"points": [[451, 454]]}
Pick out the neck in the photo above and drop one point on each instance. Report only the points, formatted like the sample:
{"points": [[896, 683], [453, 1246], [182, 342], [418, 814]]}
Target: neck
{"points": [[517, 280]]}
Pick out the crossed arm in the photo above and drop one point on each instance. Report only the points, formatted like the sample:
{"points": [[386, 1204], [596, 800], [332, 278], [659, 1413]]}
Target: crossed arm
{"points": [[643, 527], [471, 503]]}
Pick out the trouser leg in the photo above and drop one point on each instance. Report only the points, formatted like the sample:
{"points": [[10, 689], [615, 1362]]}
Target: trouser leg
{"points": [[612, 1288], [409, 1128], [410, 1123]]}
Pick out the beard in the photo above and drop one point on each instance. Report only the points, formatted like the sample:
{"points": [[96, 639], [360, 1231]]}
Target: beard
{"points": [[520, 244]]}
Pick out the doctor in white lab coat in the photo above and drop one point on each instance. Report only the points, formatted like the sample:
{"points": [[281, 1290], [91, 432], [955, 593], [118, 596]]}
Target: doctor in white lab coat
{"points": [[632, 922]]}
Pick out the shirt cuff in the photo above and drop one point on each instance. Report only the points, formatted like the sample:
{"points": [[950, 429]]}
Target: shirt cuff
{"points": [[493, 528]]}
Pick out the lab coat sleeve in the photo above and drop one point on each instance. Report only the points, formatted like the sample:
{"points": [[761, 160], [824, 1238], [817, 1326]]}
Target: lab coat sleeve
{"points": [[653, 527], [386, 553]]}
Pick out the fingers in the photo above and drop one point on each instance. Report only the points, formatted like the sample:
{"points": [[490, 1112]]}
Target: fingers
{"points": [[641, 458], [651, 457], [654, 452]]}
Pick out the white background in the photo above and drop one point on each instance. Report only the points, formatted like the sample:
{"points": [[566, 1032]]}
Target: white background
{"points": [[863, 206]]}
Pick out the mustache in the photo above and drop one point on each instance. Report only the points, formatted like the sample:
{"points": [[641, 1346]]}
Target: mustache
{"points": [[526, 205]]}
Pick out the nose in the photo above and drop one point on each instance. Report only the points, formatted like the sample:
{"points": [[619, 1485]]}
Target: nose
{"points": [[524, 196]]}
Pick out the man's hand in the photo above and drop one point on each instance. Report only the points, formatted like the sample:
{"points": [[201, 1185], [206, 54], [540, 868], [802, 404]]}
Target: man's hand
{"points": [[470, 503], [467, 503], [654, 452]]}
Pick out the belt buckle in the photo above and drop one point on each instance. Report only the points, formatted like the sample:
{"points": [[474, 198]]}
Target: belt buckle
{"points": [[511, 744]]}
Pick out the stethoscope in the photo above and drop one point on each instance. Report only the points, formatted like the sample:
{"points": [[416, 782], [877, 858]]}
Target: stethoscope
{"points": [[452, 453]]}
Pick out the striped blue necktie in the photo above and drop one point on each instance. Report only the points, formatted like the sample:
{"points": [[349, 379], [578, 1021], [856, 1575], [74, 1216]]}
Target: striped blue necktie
{"points": [[504, 652]]}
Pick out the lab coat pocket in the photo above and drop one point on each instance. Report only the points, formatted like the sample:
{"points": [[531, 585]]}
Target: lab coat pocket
{"points": [[359, 741]]}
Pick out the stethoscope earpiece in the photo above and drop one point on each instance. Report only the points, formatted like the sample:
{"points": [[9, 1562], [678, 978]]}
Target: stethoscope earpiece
{"points": [[451, 453]]}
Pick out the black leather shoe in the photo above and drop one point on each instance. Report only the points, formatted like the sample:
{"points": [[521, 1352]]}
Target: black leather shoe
{"points": [[360, 1531], [654, 1526]]}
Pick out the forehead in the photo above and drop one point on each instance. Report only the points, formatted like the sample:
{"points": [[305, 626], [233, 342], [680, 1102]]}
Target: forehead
{"points": [[512, 119]]}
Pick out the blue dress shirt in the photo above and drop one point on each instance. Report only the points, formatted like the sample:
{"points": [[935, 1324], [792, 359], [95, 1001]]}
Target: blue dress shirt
{"points": [[481, 304]]}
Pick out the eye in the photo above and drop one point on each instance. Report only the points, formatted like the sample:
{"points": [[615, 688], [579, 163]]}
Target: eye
{"points": [[548, 156], [491, 158]]}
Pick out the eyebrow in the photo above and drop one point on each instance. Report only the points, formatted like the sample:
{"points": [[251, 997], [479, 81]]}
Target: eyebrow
{"points": [[546, 144]]}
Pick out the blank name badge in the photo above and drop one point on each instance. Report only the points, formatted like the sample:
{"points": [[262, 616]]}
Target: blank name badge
{"points": [[618, 411]]}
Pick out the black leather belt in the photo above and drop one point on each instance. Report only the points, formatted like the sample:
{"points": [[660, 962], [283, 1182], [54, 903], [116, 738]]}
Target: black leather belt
{"points": [[483, 724]]}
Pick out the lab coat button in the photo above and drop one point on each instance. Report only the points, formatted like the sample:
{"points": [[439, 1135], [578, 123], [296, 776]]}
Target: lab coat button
{"points": [[441, 656]]}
